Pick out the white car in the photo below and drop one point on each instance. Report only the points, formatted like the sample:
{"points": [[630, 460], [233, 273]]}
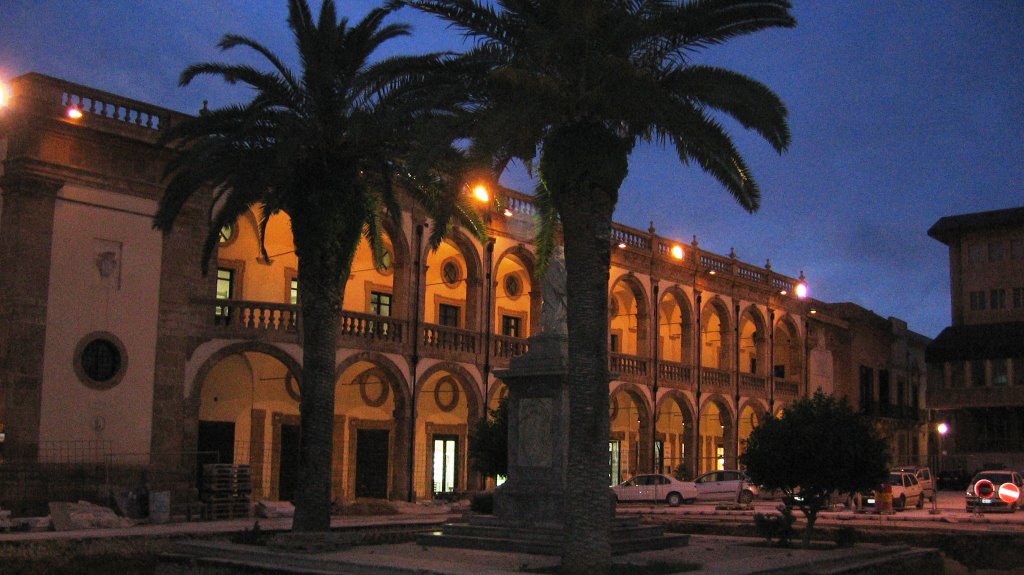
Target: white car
{"points": [[725, 485], [905, 489], [655, 487]]}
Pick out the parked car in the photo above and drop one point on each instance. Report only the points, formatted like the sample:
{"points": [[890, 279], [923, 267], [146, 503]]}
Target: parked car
{"points": [[905, 489], [654, 488], [924, 477], [725, 485], [986, 491]]}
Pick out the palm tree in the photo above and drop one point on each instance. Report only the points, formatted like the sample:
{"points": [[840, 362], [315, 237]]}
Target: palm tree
{"points": [[327, 147], [580, 82]]}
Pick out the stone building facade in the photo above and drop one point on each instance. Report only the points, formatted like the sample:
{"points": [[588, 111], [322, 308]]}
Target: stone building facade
{"points": [[117, 356], [976, 365]]}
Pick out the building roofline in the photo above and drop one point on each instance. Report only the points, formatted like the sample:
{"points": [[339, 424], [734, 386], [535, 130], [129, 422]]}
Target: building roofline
{"points": [[950, 227]]}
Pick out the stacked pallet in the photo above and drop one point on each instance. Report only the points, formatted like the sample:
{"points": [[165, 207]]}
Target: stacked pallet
{"points": [[226, 491]]}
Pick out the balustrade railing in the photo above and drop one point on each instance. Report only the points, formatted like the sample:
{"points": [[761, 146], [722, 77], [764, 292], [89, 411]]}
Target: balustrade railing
{"points": [[628, 364], [714, 379], [627, 236], [752, 382], [255, 315], [716, 263], [97, 103], [505, 347], [789, 388], [672, 371], [448, 338], [751, 273], [370, 326]]}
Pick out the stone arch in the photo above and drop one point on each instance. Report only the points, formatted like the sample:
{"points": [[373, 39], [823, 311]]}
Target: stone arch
{"points": [[448, 405], [788, 350], [753, 348], [676, 334], [470, 256], [677, 437], [633, 436], [716, 444], [715, 335], [403, 266], [628, 299], [381, 421], [277, 353], [497, 391], [527, 260], [397, 379], [468, 382], [242, 396], [752, 413]]}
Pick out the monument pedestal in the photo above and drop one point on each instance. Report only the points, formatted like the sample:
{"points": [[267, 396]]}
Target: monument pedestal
{"points": [[538, 419], [529, 507]]}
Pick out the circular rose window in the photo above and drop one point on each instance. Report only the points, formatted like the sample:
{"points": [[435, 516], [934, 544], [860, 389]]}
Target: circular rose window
{"points": [[100, 360], [446, 394]]}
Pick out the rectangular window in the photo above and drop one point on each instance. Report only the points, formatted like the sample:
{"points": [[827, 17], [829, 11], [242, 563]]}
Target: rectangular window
{"points": [[448, 315], [380, 304], [957, 375], [614, 462], [1017, 249], [511, 326], [977, 300], [997, 299], [995, 251], [976, 253], [293, 291], [225, 290], [901, 393], [867, 388], [1018, 298], [999, 372], [446, 457], [977, 372], [613, 343], [884, 397]]}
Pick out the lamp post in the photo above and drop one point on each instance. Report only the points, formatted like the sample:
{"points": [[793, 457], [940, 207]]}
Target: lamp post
{"points": [[942, 429]]}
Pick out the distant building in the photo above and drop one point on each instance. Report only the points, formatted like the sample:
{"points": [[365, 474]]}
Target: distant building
{"points": [[878, 365], [976, 366]]}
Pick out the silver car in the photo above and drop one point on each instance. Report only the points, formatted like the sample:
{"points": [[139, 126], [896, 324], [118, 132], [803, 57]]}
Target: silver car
{"points": [[725, 485], [655, 487]]}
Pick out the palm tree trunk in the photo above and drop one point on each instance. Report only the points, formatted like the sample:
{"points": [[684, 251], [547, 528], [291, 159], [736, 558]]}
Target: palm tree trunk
{"points": [[321, 315], [583, 166], [588, 505]]}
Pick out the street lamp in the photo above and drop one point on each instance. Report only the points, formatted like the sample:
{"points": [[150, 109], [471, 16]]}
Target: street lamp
{"points": [[942, 428]]}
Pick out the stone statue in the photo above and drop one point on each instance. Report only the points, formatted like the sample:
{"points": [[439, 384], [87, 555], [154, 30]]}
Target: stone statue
{"points": [[553, 293]]}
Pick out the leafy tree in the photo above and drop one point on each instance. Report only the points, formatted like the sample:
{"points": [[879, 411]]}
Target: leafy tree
{"points": [[328, 146], [576, 84], [488, 445], [818, 447]]}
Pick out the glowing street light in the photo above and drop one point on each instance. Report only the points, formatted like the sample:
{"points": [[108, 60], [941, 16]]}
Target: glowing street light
{"points": [[5, 95], [677, 252], [480, 192], [73, 112]]}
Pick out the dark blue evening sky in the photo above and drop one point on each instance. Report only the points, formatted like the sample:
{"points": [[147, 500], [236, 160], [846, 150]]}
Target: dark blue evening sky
{"points": [[901, 112]]}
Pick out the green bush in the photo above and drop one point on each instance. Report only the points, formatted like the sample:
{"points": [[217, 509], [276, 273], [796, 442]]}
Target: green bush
{"points": [[776, 529]]}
